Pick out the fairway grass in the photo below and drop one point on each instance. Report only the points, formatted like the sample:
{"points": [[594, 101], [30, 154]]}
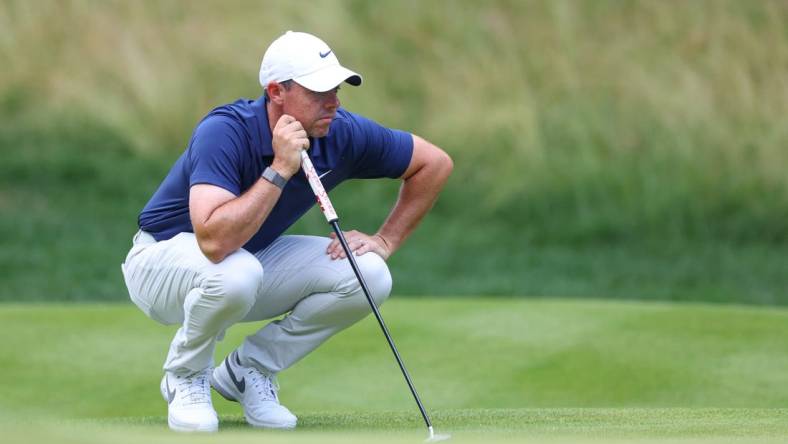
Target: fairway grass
{"points": [[487, 369], [466, 426]]}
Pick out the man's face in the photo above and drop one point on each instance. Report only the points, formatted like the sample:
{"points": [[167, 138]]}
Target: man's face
{"points": [[315, 110]]}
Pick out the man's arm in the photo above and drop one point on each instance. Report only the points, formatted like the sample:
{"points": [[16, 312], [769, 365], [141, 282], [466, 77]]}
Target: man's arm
{"points": [[223, 222], [423, 180]]}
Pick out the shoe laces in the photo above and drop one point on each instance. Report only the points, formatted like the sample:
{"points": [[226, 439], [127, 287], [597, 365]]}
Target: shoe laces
{"points": [[195, 388], [264, 384]]}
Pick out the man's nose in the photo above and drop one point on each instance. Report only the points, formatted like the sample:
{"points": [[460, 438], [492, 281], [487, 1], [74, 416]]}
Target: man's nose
{"points": [[332, 101]]}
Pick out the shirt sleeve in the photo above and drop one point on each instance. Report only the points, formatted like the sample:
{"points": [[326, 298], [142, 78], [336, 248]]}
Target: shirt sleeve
{"points": [[378, 151], [214, 155]]}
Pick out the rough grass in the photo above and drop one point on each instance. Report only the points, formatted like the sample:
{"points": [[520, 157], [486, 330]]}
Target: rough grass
{"points": [[71, 192], [601, 149], [578, 121]]}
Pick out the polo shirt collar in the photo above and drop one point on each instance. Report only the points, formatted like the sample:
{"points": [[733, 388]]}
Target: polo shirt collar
{"points": [[264, 131]]}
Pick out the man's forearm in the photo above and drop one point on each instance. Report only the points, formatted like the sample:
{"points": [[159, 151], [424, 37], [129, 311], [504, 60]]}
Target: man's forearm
{"points": [[417, 195], [232, 224]]}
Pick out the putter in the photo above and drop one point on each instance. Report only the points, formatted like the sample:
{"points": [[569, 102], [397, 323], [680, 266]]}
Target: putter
{"points": [[333, 220]]}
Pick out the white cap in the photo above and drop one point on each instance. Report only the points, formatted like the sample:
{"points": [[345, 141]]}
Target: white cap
{"points": [[305, 59]]}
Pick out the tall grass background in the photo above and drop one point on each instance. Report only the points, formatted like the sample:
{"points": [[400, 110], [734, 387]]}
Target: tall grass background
{"points": [[629, 149]]}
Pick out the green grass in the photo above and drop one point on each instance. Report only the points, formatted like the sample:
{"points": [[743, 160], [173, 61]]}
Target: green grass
{"points": [[678, 425], [573, 121], [565, 371], [632, 151], [70, 218]]}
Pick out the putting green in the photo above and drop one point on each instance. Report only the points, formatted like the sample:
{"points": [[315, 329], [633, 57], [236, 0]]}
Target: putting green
{"points": [[561, 370], [466, 426]]}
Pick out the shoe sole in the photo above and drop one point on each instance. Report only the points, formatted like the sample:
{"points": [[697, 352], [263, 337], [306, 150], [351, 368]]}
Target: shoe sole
{"points": [[188, 428], [263, 425], [223, 388]]}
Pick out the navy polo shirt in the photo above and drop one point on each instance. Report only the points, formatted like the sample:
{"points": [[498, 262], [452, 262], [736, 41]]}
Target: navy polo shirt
{"points": [[231, 147]]}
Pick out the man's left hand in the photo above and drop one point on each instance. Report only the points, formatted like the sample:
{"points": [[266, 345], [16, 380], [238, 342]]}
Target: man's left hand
{"points": [[359, 244]]}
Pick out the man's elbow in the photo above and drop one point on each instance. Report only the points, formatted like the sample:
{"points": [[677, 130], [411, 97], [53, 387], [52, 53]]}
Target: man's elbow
{"points": [[214, 255], [448, 163], [443, 164], [212, 249]]}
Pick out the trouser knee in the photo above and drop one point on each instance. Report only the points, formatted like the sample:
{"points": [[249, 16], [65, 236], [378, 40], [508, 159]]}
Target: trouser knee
{"points": [[233, 284], [377, 277]]}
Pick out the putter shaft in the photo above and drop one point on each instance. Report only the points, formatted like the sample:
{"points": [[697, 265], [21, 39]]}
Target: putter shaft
{"points": [[333, 219], [335, 225]]}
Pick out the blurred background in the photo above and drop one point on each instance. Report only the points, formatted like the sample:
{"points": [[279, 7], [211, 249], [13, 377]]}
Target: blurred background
{"points": [[603, 149]]}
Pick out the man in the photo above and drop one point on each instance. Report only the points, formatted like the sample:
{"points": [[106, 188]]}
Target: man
{"points": [[210, 251]]}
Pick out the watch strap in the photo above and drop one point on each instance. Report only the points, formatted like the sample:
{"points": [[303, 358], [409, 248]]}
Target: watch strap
{"points": [[272, 176]]}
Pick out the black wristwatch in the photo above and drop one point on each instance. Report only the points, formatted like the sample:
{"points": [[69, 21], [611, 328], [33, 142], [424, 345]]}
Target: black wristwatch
{"points": [[272, 176]]}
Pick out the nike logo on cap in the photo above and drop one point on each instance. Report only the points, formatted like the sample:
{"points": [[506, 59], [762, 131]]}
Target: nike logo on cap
{"points": [[241, 385], [325, 54]]}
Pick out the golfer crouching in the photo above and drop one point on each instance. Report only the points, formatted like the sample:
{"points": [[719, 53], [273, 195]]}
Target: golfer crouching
{"points": [[210, 252]]}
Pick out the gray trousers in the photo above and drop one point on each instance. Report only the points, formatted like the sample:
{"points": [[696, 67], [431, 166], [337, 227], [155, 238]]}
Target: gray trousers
{"points": [[172, 282]]}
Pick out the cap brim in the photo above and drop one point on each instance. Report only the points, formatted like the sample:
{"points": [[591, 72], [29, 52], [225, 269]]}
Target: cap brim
{"points": [[328, 78]]}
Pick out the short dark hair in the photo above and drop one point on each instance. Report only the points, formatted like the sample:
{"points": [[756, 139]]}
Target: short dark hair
{"points": [[286, 83]]}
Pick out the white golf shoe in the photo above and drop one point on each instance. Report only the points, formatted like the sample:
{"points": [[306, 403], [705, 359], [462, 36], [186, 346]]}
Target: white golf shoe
{"points": [[189, 398], [255, 390]]}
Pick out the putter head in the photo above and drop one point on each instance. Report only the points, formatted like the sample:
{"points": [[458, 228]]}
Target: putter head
{"points": [[435, 438]]}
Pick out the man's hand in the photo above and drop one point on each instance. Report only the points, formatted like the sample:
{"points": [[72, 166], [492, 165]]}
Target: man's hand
{"points": [[289, 138], [359, 244]]}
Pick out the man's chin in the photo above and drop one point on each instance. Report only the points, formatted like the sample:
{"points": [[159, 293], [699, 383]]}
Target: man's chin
{"points": [[320, 131]]}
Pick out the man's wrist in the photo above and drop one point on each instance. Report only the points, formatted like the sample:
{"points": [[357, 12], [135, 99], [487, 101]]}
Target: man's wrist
{"points": [[281, 170], [273, 176], [386, 242]]}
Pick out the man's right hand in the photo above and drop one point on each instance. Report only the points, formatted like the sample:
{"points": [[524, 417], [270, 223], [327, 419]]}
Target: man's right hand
{"points": [[289, 138]]}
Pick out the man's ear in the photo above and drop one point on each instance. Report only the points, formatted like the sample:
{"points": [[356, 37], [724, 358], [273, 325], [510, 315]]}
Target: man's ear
{"points": [[275, 91]]}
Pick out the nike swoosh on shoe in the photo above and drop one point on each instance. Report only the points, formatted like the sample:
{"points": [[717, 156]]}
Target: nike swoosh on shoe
{"points": [[170, 393], [241, 385]]}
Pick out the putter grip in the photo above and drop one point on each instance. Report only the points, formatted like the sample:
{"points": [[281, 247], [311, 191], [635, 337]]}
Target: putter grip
{"points": [[317, 188]]}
